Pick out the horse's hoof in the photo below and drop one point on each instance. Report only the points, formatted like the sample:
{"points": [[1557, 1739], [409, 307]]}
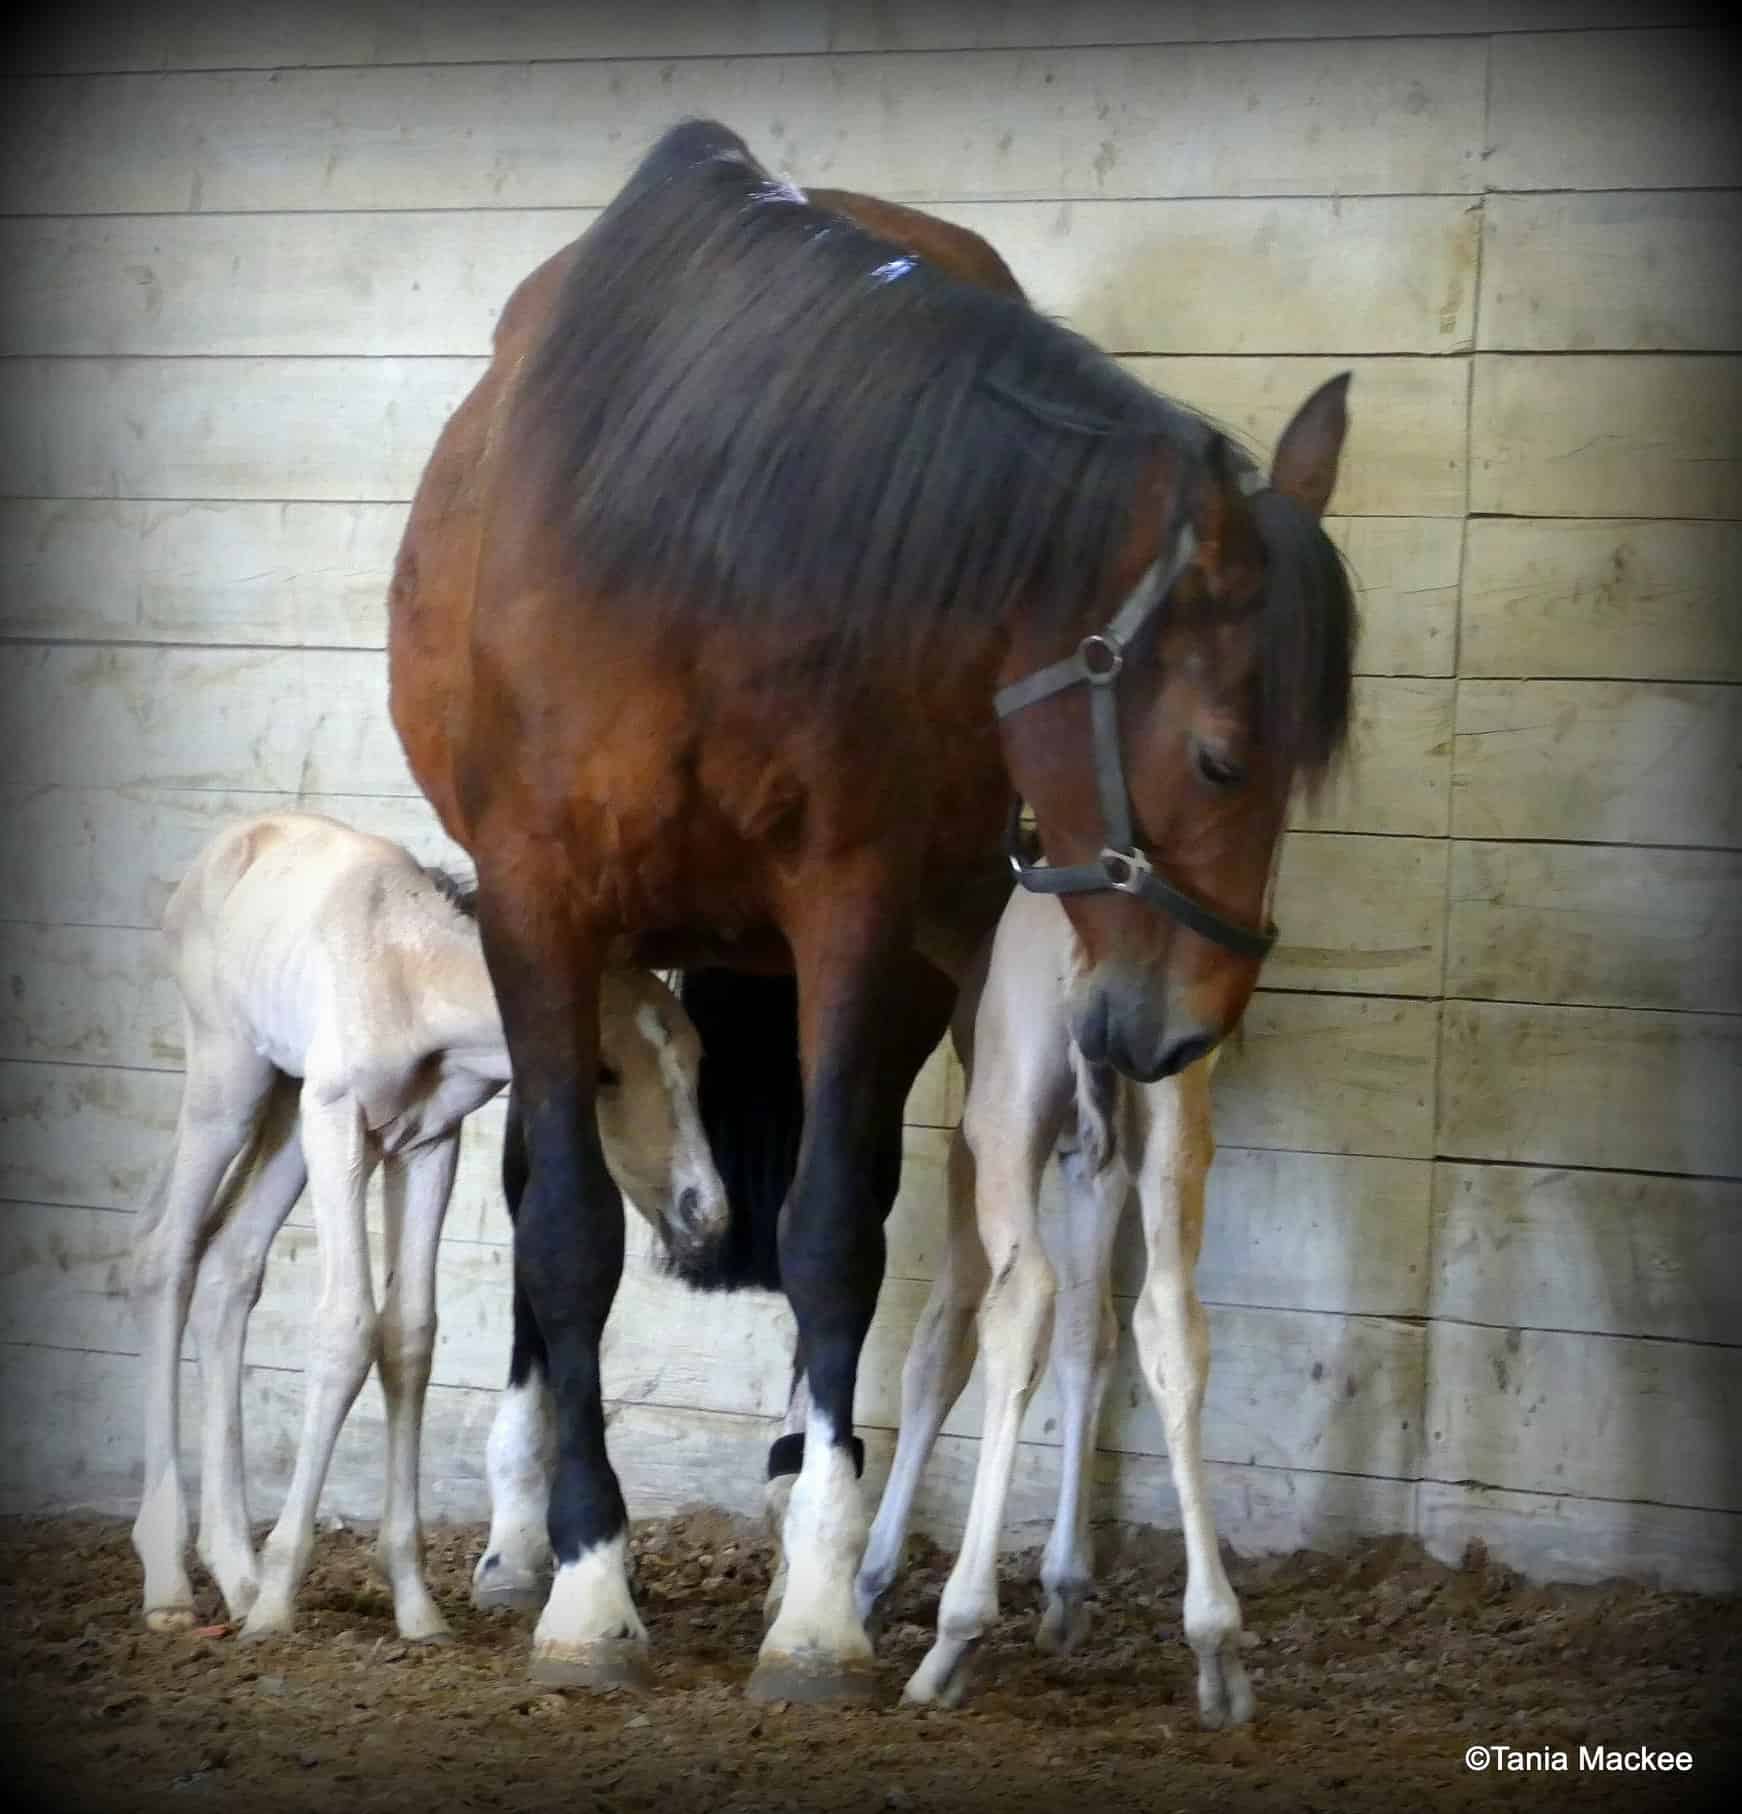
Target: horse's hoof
{"points": [[433, 1636], [169, 1619], [796, 1678], [256, 1630], [942, 1676], [605, 1663], [509, 1590], [1063, 1626]]}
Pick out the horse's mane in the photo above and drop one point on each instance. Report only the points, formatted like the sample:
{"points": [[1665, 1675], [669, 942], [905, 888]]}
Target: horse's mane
{"points": [[459, 893], [745, 406]]}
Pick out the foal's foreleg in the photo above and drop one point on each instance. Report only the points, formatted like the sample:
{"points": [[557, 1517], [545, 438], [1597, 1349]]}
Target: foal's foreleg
{"points": [[1173, 1345], [226, 1082], [230, 1276], [1085, 1338], [938, 1364], [415, 1196], [1014, 1316], [336, 1146]]}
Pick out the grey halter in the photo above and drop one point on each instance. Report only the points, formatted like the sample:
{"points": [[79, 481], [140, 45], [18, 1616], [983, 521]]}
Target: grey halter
{"points": [[1123, 865]]}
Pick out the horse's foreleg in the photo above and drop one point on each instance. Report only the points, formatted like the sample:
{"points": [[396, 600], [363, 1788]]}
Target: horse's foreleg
{"points": [[938, 1364], [1173, 1346], [568, 1259], [777, 1495], [231, 1272], [415, 1201], [1085, 1338], [514, 1572], [1014, 1315], [225, 1085], [860, 1058], [336, 1147]]}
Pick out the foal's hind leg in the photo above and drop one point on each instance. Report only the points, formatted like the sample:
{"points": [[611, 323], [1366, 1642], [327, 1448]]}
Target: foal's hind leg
{"points": [[226, 1082], [336, 1146], [1085, 1337], [938, 1364], [415, 1199], [228, 1289], [1173, 1345]]}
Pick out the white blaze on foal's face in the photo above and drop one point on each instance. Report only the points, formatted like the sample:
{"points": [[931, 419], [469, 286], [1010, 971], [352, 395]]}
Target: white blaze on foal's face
{"points": [[649, 1118]]}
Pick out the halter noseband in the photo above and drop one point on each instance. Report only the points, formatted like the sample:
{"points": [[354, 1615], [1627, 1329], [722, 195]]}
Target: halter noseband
{"points": [[1123, 866]]}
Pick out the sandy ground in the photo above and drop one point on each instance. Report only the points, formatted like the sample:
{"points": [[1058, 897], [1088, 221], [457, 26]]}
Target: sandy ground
{"points": [[1374, 1672]]}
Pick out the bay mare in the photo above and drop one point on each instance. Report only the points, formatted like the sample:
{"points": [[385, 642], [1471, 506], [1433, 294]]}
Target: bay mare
{"points": [[697, 635]]}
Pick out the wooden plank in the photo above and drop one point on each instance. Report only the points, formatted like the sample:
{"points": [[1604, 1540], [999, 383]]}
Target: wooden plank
{"points": [[1387, 117], [1612, 110], [83, 1134], [125, 571], [1330, 1073], [268, 429], [194, 34], [1221, 276], [79, 1450], [1608, 1087], [1590, 434], [349, 429], [78, 995], [112, 856], [1396, 775], [1603, 1252], [1560, 1538], [1594, 761], [276, 720], [1355, 1382], [1596, 924], [1365, 915], [1406, 577], [1634, 272], [1405, 455], [1600, 1416], [1601, 600]]}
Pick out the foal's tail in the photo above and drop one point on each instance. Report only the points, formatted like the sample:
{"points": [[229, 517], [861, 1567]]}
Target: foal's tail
{"points": [[751, 1096]]}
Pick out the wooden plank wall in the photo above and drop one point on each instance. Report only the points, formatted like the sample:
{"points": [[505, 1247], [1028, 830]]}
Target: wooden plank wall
{"points": [[1474, 1256]]}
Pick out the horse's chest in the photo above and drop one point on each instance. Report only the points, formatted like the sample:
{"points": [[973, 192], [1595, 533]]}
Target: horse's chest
{"points": [[419, 1104]]}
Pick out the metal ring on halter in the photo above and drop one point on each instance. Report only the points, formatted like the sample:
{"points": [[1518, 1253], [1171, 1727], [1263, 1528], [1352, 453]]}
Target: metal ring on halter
{"points": [[1108, 648], [1125, 869]]}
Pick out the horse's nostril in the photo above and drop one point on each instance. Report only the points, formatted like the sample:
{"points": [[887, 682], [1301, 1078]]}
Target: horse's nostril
{"points": [[689, 1205], [1186, 1053]]}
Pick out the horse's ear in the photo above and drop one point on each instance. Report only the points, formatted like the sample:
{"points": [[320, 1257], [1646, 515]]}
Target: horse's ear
{"points": [[1305, 467]]}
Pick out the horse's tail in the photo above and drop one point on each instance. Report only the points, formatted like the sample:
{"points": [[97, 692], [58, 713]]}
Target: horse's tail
{"points": [[751, 1096]]}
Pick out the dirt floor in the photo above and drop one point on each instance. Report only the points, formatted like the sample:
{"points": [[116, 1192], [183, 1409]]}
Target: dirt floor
{"points": [[1374, 1672]]}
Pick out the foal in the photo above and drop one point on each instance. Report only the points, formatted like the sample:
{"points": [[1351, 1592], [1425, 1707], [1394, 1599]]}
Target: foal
{"points": [[338, 1014], [1031, 1091]]}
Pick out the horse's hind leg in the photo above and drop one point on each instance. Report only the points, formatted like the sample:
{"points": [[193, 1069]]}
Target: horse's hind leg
{"points": [[415, 1199], [514, 1572], [938, 1364], [1173, 1345], [228, 1289], [1085, 1337], [336, 1147], [226, 1081]]}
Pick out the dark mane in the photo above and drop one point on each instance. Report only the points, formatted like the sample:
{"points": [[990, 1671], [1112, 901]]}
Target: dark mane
{"points": [[751, 405], [459, 894], [747, 406]]}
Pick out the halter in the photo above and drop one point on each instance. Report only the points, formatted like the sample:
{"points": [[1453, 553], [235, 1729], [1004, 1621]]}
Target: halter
{"points": [[1123, 865]]}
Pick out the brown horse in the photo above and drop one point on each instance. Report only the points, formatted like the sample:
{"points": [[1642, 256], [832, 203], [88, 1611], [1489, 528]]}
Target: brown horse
{"points": [[737, 601]]}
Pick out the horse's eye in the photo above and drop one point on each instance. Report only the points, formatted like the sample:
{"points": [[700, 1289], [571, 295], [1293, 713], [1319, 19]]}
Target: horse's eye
{"points": [[608, 1079], [1219, 770]]}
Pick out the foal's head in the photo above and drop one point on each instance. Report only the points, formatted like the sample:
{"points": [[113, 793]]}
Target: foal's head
{"points": [[1237, 687], [649, 1116]]}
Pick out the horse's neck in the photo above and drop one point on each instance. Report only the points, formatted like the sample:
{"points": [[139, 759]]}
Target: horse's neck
{"points": [[459, 1005]]}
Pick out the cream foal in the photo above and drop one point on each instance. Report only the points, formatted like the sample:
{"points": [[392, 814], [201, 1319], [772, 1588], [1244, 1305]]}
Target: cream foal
{"points": [[1016, 1269], [338, 1015]]}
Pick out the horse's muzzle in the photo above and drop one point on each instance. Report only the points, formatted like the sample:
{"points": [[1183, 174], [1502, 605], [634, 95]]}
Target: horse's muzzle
{"points": [[1123, 1027]]}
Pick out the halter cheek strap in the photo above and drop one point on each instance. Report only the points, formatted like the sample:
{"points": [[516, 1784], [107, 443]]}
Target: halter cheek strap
{"points": [[1123, 865]]}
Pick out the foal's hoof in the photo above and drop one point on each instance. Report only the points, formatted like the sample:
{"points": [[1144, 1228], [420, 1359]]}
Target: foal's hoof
{"points": [[812, 1680], [605, 1663], [169, 1619], [1063, 1625], [499, 1589]]}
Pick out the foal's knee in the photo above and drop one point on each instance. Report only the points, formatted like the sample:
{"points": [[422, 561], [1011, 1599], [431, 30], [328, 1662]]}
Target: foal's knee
{"points": [[346, 1340]]}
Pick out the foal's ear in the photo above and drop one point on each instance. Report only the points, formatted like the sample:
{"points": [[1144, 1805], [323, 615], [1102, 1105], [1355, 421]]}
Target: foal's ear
{"points": [[1305, 467]]}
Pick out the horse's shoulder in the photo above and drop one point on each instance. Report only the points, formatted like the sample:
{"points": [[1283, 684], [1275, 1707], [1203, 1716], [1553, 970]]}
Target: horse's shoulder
{"points": [[958, 250]]}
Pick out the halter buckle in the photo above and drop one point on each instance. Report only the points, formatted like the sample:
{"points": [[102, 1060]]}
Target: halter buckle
{"points": [[1102, 648], [1125, 869]]}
